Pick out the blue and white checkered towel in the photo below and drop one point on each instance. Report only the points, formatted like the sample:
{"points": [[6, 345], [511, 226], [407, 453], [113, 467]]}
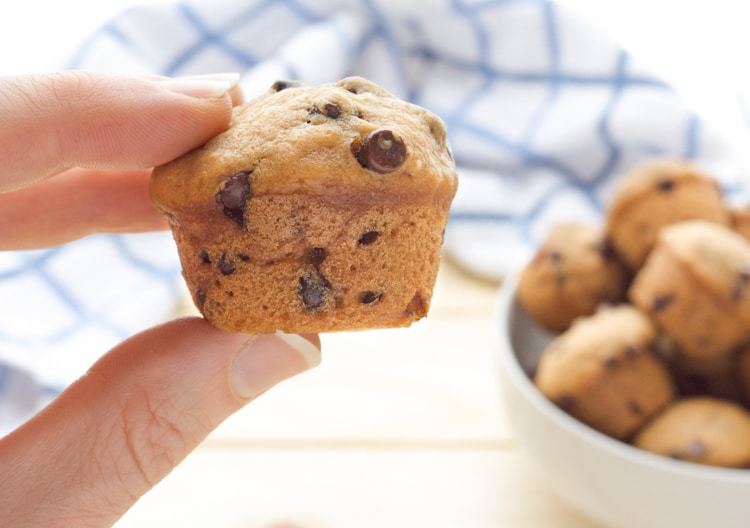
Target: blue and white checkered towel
{"points": [[543, 114]]}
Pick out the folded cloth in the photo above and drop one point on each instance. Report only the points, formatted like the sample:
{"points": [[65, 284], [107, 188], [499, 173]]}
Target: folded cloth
{"points": [[544, 113]]}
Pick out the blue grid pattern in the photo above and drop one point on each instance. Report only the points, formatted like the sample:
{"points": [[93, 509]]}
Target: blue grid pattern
{"points": [[543, 114]]}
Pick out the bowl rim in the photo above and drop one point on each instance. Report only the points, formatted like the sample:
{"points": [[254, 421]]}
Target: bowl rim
{"points": [[505, 304]]}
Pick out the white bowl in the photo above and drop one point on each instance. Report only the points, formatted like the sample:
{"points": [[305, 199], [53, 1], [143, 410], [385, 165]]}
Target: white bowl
{"points": [[610, 481]]}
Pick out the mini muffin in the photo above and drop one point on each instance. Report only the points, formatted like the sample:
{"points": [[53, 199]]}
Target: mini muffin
{"points": [[604, 372], [696, 286], [572, 273], [703, 430], [321, 208], [658, 193]]}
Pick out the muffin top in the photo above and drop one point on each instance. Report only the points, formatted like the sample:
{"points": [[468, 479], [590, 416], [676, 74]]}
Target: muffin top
{"points": [[347, 144], [718, 258]]}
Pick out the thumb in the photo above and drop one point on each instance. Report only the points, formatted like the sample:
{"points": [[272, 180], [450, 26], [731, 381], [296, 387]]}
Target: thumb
{"points": [[140, 410]]}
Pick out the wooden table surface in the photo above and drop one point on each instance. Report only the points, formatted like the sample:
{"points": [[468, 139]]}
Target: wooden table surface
{"points": [[397, 428]]}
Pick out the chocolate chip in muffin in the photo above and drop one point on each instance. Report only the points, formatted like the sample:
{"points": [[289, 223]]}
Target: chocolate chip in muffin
{"points": [[370, 237], [566, 402], [697, 449], [204, 257], [381, 151], [661, 303], [332, 110], [611, 362], [665, 185], [314, 290], [226, 267], [284, 84], [635, 408], [370, 297], [234, 195]]}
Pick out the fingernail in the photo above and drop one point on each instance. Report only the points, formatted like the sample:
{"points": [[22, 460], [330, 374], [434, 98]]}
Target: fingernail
{"points": [[266, 360], [201, 86]]}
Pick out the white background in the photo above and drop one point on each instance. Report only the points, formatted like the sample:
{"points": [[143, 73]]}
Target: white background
{"points": [[702, 46]]}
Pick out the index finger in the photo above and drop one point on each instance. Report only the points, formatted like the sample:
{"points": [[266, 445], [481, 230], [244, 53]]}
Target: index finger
{"points": [[112, 122]]}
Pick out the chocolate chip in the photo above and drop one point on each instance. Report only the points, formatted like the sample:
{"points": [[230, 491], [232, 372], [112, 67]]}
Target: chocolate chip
{"points": [[635, 408], [665, 185], [557, 263], [283, 85], [243, 257], [416, 306], [204, 256], [315, 256], [611, 362], [661, 303], [381, 151], [234, 195], [332, 110], [566, 402], [697, 449], [369, 297], [226, 267], [314, 290], [368, 238]]}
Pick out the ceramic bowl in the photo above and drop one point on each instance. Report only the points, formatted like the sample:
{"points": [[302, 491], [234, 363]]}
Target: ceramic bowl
{"points": [[610, 481]]}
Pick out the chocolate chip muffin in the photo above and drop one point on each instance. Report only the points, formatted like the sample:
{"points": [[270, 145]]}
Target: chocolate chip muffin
{"points": [[321, 208], [696, 286], [656, 193], [703, 430], [604, 372], [572, 273]]}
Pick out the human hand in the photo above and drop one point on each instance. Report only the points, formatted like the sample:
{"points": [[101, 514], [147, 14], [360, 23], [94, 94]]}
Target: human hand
{"points": [[145, 405]]}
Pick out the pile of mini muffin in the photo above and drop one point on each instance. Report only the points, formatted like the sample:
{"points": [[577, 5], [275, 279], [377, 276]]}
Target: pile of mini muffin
{"points": [[651, 316]]}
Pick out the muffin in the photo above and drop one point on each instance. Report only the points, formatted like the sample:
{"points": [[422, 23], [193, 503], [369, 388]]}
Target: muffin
{"points": [[656, 193], [321, 208], [604, 372], [696, 286], [703, 430], [572, 273]]}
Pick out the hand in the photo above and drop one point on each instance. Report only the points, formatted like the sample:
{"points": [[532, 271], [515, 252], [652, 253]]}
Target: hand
{"points": [[123, 426]]}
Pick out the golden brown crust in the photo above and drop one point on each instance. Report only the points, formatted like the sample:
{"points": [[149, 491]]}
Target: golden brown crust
{"points": [[321, 208], [655, 194], [603, 371], [696, 286], [703, 430], [573, 272]]}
